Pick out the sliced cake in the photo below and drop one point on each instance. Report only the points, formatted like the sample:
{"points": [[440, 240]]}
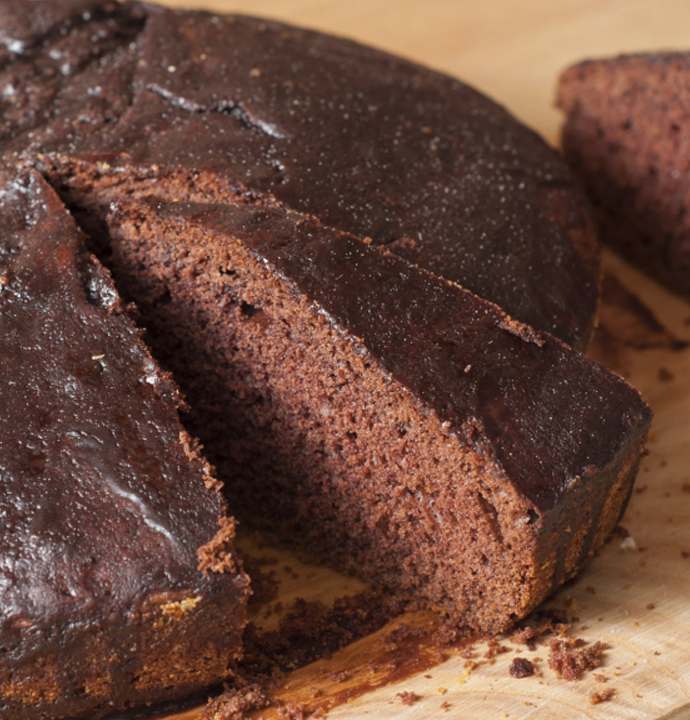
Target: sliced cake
{"points": [[118, 581], [214, 106], [291, 212], [626, 135], [385, 420]]}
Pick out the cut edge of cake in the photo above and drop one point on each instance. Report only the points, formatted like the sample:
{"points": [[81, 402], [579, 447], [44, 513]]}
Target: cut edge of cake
{"points": [[198, 284], [623, 136]]}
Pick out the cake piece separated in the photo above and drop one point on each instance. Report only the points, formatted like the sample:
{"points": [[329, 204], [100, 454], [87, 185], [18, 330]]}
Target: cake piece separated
{"points": [[118, 580], [626, 136], [387, 421]]}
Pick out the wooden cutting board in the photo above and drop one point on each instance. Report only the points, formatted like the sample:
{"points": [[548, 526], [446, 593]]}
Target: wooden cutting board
{"points": [[635, 599]]}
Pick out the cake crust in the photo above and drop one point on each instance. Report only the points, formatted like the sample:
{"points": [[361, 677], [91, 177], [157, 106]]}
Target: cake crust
{"points": [[107, 508], [367, 142]]}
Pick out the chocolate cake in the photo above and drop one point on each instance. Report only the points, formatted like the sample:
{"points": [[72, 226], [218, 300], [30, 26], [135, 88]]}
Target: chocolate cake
{"points": [[118, 582], [206, 107], [294, 215], [625, 136], [387, 421]]}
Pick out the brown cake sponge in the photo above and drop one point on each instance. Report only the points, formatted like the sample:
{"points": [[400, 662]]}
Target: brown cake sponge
{"points": [[626, 135], [386, 421]]}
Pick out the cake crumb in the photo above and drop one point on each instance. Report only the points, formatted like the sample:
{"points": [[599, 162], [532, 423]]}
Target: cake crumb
{"points": [[665, 375], [469, 666], [494, 648], [569, 658], [291, 711], [408, 698], [521, 668], [599, 697], [439, 655], [234, 704]]}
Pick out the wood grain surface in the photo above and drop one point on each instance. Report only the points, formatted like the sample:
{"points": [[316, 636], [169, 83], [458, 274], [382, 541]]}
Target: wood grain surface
{"points": [[635, 600]]}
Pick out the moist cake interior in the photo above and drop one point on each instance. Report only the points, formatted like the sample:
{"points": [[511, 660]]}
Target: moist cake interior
{"points": [[380, 418]]}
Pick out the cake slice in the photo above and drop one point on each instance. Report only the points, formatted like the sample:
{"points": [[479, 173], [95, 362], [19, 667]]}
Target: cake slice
{"points": [[385, 420], [626, 135], [118, 584]]}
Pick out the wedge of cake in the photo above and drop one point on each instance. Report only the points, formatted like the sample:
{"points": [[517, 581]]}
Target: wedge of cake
{"points": [[385, 420], [625, 136], [118, 584]]}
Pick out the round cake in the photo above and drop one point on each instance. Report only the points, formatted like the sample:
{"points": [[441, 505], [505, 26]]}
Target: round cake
{"points": [[366, 278], [201, 106]]}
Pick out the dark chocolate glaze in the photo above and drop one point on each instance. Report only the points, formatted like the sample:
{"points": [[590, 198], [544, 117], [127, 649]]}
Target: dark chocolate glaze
{"points": [[23, 26], [367, 142], [101, 507], [66, 70], [552, 418]]}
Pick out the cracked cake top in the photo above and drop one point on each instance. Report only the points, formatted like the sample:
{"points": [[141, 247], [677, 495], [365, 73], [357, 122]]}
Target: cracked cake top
{"points": [[366, 142]]}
